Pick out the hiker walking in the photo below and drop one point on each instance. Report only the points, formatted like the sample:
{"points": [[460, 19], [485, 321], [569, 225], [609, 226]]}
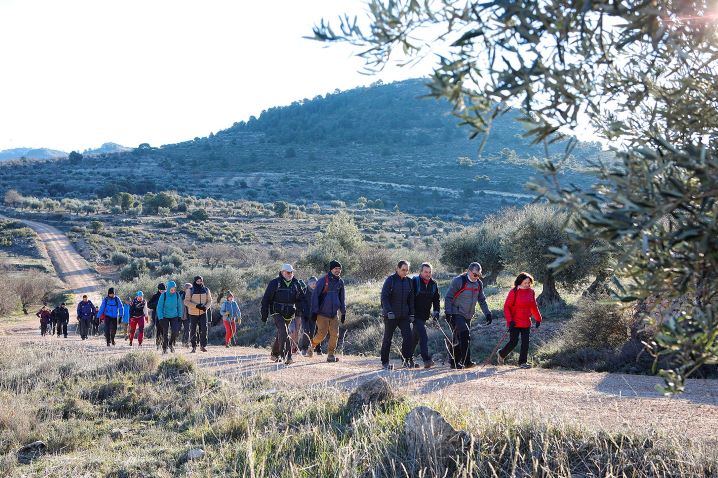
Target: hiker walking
{"points": [[86, 313], [426, 296], [111, 309], [198, 301], [61, 317], [465, 291], [397, 305], [169, 315], [309, 323], [138, 314], [185, 324], [44, 315], [519, 306], [327, 302], [231, 316], [124, 324], [282, 297], [51, 322], [152, 306]]}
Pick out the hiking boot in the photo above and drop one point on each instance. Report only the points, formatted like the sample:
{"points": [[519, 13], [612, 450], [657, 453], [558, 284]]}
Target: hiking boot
{"points": [[499, 359], [332, 359], [113, 341], [429, 364], [203, 349], [108, 344], [525, 366], [318, 352], [226, 346], [408, 364], [304, 353], [194, 350], [469, 364], [172, 348], [273, 358], [289, 361], [387, 366], [310, 353]]}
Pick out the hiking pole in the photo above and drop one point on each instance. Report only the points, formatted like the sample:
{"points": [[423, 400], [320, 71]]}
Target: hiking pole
{"points": [[447, 341], [486, 362]]}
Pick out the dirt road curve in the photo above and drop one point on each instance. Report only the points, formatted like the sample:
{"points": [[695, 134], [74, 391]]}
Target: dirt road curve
{"points": [[611, 402]]}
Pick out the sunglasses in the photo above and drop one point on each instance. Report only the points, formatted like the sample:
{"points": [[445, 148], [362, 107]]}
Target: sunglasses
{"points": [[475, 275]]}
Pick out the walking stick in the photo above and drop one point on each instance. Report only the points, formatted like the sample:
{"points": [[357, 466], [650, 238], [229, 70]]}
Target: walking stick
{"points": [[486, 362]]}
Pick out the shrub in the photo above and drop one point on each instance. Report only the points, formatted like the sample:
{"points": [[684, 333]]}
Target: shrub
{"points": [[375, 263], [198, 215], [597, 325], [175, 367], [138, 362], [481, 244], [135, 268], [96, 227], [120, 258], [32, 288]]}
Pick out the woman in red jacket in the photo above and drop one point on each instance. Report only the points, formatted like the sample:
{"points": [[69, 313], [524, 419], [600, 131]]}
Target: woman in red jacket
{"points": [[520, 305]]}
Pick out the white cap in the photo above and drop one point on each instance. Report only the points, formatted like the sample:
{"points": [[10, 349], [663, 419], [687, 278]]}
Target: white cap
{"points": [[287, 268]]}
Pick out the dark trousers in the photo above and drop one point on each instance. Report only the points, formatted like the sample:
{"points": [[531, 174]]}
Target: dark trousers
{"points": [[52, 326], [461, 347], [309, 330], [419, 337], [282, 346], [198, 322], [95, 326], [43, 327], [61, 328], [84, 326], [514, 339], [110, 329], [406, 342], [184, 326], [168, 329]]}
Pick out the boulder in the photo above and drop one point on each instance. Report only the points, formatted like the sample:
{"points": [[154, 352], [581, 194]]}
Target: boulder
{"points": [[117, 433], [376, 392], [31, 451], [432, 442], [195, 454]]}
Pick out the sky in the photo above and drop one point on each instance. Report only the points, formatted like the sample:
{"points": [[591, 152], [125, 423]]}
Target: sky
{"points": [[78, 73]]}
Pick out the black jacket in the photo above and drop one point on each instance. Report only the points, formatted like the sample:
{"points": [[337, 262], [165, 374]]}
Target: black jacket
{"points": [[152, 304], [397, 296], [425, 296], [61, 314], [282, 299]]}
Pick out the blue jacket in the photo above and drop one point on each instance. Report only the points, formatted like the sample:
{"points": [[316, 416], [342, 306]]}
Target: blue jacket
{"points": [[86, 310], [330, 302], [306, 305], [233, 308], [111, 307], [169, 306], [126, 314], [397, 296]]}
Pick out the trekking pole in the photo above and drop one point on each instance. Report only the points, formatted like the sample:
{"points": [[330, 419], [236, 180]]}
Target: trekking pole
{"points": [[447, 341], [486, 362]]}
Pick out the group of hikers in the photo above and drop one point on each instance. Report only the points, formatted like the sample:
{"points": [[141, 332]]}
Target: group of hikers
{"points": [[305, 314]]}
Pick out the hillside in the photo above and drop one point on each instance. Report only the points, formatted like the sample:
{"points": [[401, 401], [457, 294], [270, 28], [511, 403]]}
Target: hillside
{"points": [[31, 153], [379, 146]]}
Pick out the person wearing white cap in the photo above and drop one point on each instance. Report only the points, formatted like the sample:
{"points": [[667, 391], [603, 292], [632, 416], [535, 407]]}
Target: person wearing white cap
{"points": [[282, 299]]}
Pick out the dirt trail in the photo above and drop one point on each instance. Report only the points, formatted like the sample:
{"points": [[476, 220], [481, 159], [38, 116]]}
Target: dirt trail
{"points": [[596, 401]]}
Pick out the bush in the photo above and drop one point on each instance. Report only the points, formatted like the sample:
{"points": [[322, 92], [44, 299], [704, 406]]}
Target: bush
{"points": [[341, 240], [198, 215], [481, 244], [597, 325], [375, 263], [32, 289], [135, 268], [138, 362], [119, 258], [175, 367], [96, 227]]}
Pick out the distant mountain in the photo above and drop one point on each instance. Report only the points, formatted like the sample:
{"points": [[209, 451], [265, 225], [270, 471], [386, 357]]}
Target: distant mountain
{"points": [[107, 148], [31, 153], [382, 146]]}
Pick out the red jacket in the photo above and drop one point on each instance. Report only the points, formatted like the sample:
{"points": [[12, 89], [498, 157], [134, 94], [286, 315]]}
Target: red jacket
{"points": [[520, 305]]}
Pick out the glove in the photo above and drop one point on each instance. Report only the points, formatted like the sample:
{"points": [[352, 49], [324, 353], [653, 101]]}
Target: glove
{"points": [[201, 307], [344, 317], [411, 319], [436, 315], [264, 319], [512, 324], [538, 324], [489, 319], [390, 316]]}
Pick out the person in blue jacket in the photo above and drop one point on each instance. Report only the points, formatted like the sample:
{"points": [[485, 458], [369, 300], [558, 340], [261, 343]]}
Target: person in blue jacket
{"points": [[111, 309], [169, 315], [327, 302], [86, 312], [124, 328]]}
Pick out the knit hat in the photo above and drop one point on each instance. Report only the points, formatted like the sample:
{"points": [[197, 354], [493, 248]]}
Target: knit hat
{"points": [[161, 286], [139, 294], [229, 294], [334, 264], [311, 279], [171, 284], [111, 290]]}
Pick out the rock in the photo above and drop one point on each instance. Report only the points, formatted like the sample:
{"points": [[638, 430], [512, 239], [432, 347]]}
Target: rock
{"points": [[31, 451], [117, 433], [432, 442], [195, 454], [372, 393]]}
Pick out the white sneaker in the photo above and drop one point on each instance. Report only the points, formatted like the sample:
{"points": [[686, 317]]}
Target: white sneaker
{"points": [[499, 359]]}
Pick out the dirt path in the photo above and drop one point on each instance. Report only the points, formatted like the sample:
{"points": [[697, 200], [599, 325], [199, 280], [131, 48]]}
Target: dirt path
{"points": [[596, 401]]}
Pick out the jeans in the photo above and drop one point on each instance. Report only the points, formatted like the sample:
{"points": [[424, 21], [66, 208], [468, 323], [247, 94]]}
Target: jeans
{"points": [[389, 328], [198, 321], [514, 339], [419, 337]]}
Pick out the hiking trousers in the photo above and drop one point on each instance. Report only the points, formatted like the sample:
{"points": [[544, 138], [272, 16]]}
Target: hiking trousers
{"points": [[110, 329], [461, 347], [282, 346], [198, 322], [514, 339], [230, 328], [419, 337], [165, 326], [84, 326], [185, 323], [138, 324], [43, 328], [326, 325], [62, 328], [389, 328]]}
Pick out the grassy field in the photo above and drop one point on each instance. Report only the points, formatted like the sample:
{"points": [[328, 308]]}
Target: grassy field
{"points": [[134, 416]]}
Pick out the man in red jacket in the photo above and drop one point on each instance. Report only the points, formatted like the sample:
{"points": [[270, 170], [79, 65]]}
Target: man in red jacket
{"points": [[520, 305]]}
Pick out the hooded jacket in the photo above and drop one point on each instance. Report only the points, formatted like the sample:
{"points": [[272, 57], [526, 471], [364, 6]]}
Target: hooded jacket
{"points": [[330, 302], [169, 306], [195, 296]]}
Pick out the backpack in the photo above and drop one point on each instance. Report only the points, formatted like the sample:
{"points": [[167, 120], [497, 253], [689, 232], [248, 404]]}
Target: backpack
{"points": [[464, 286], [117, 306], [417, 286]]}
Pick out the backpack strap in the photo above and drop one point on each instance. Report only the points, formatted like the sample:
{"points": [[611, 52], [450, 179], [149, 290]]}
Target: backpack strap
{"points": [[464, 285], [417, 285]]}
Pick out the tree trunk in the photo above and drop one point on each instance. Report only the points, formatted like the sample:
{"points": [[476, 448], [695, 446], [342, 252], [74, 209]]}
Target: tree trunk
{"points": [[549, 294], [599, 287], [491, 278]]}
